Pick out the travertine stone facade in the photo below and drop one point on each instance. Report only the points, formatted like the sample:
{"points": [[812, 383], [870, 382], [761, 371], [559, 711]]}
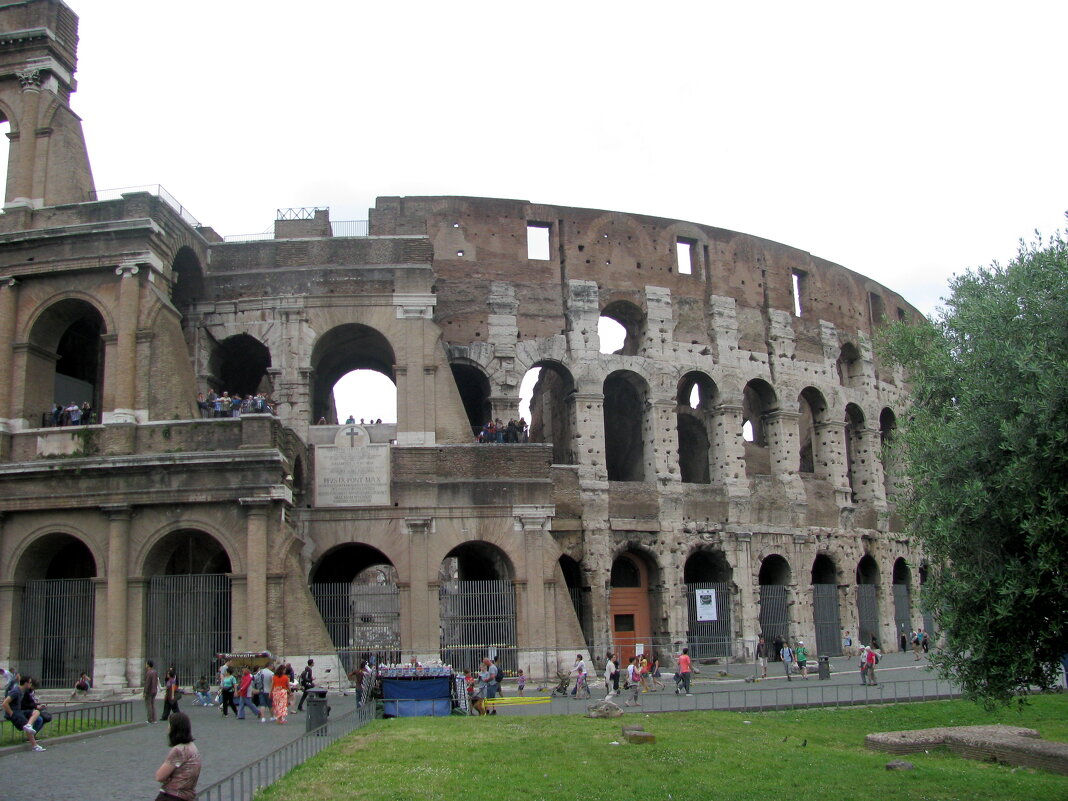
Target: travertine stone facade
{"points": [[735, 439]]}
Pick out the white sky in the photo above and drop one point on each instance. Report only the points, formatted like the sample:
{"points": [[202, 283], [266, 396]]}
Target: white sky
{"points": [[906, 142]]}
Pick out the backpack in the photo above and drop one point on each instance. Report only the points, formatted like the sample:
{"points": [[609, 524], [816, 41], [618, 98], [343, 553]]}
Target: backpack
{"points": [[305, 678], [257, 682]]}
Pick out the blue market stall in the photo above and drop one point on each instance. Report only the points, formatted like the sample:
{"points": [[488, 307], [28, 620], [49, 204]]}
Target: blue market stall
{"points": [[417, 691]]}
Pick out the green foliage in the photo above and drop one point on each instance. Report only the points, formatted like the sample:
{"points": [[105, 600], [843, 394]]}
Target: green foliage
{"points": [[697, 756], [985, 453]]}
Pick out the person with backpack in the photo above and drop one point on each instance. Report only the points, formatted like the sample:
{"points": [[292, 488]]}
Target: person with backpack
{"points": [[787, 656], [307, 681], [801, 655], [244, 691]]}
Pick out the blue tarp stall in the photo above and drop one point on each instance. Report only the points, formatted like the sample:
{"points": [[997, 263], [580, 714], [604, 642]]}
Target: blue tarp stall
{"points": [[411, 698]]}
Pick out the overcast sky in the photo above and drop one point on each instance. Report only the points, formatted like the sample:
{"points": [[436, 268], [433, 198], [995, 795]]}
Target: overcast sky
{"points": [[906, 142]]}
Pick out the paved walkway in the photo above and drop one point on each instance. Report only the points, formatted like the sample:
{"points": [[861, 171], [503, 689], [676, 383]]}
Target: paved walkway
{"points": [[119, 766]]}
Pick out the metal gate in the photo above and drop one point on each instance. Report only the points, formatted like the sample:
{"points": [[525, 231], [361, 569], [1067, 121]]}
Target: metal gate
{"points": [[708, 638], [188, 623], [868, 613], [826, 619], [56, 631], [477, 616], [774, 620], [363, 618], [902, 613]]}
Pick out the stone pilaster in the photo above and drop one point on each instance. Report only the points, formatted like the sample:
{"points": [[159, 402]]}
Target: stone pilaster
{"points": [[256, 545], [420, 612], [113, 660], [8, 298], [727, 458], [123, 373], [589, 435], [829, 459], [664, 445], [534, 522]]}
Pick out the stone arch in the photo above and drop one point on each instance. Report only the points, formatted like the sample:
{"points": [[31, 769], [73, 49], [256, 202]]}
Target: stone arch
{"points": [[239, 365], [826, 613], [65, 360], [578, 592], [633, 320], [632, 609], [339, 351], [696, 396], [708, 573], [625, 418], [849, 365], [901, 585], [474, 388], [855, 472], [477, 606], [813, 409], [867, 577], [187, 280], [552, 409], [355, 589], [53, 621], [774, 579], [758, 401], [887, 435]]}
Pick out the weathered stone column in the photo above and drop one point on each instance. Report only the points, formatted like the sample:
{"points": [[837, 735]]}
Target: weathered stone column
{"points": [[421, 608], [727, 459], [123, 374], [533, 522], [589, 435], [872, 487], [744, 571], [665, 440], [8, 297], [830, 458], [23, 155], [113, 659], [256, 573]]}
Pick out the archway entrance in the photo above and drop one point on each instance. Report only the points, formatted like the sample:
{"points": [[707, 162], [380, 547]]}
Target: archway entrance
{"points": [[187, 609], [629, 605], [355, 589], [477, 607], [239, 366], [624, 426], [474, 391], [867, 601], [55, 642], [580, 596], [340, 351], [552, 409], [902, 602], [825, 612], [707, 576], [68, 363], [774, 606]]}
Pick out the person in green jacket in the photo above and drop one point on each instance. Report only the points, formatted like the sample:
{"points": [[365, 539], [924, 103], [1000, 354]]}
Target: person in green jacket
{"points": [[801, 654]]}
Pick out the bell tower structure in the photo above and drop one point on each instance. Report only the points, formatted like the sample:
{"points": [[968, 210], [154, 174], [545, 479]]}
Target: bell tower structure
{"points": [[48, 163]]}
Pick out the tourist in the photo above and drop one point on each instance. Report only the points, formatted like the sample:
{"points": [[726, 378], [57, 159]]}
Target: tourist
{"points": [[521, 682], [202, 692], [171, 694], [73, 413], [801, 654], [916, 640], [82, 686], [180, 770], [474, 694], [787, 657], [762, 657], [682, 675], [654, 673], [350, 420], [150, 689], [14, 712], [581, 689], [611, 673], [244, 687], [634, 682], [307, 681], [873, 660], [33, 709], [263, 684], [227, 689], [280, 695]]}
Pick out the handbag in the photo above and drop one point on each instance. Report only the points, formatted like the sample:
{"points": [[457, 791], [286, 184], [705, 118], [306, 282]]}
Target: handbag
{"points": [[46, 716]]}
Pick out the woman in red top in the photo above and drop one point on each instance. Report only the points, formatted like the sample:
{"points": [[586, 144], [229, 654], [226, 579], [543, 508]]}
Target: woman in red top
{"points": [[280, 695]]}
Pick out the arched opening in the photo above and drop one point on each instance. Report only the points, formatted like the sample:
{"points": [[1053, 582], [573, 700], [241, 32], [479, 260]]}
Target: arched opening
{"points": [[551, 408], [774, 579], [187, 609], [868, 601], [365, 396], [627, 317], [187, 281], [855, 462], [66, 368], [340, 351], [477, 607], [902, 578], [475, 393], [239, 365], [813, 410], [707, 575], [758, 401], [630, 603], [848, 366], [825, 609], [887, 434], [697, 395], [355, 590], [579, 594], [55, 616], [624, 426]]}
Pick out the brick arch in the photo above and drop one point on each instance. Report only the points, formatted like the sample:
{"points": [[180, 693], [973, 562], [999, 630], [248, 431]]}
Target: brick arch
{"points": [[35, 545], [216, 532]]}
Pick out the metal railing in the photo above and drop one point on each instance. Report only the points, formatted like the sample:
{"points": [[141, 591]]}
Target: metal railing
{"points": [[243, 784], [76, 719], [152, 189], [338, 228]]}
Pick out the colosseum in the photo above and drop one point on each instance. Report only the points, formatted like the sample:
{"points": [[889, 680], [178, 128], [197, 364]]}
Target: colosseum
{"points": [[718, 477]]}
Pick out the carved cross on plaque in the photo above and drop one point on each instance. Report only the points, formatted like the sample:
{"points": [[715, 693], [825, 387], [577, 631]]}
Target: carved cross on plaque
{"points": [[352, 433]]}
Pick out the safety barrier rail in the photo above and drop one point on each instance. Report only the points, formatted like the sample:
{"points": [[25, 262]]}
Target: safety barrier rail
{"points": [[75, 719]]}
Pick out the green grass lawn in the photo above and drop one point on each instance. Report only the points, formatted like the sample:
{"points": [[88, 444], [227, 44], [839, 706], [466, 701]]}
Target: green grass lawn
{"points": [[698, 756]]}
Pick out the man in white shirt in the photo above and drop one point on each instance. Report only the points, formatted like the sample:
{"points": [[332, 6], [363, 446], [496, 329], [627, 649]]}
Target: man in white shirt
{"points": [[266, 684]]}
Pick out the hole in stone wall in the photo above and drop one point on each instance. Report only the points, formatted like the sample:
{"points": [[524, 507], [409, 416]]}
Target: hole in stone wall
{"points": [[538, 241], [684, 256]]}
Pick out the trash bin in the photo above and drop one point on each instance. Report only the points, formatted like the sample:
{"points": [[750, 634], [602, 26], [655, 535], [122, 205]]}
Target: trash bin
{"points": [[318, 711], [825, 667]]}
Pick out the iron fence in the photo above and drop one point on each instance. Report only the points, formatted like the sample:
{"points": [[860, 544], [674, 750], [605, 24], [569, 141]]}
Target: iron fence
{"points": [[478, 620], [76, 719], [710, 638], [188, 622], [826, 619], [152, 189], [868, 613], [56, 631], [243, 784], [360, 617]]}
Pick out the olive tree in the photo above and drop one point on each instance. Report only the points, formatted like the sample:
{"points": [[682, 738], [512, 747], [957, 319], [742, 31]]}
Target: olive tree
{"points": [[984, 449]]}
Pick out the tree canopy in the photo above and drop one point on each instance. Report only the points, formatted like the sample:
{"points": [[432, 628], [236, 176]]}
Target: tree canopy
{"points": [[984, 455]]}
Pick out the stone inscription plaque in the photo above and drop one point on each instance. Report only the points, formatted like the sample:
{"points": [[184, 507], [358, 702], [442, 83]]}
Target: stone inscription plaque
{"points": [[352, 472]]}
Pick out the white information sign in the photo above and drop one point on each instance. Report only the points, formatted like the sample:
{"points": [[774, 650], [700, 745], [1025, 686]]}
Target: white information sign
{"points": [[352, 472], [706, 604]]}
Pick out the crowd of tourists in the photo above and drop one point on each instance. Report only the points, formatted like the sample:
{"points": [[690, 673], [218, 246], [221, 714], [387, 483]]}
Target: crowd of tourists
{"points": [[21, 707], [499, 432], [213, 405], [73, 414]]}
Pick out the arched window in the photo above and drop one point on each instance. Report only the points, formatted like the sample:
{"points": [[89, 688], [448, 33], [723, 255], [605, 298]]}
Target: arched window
{"points": [[868, 600], [342, 350], [475, 393], [545, 402], [67, 364], [630, 319], [856, 467], [624, 426], [813, 410], [697, 394], [774, 578], [758, 400]]}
